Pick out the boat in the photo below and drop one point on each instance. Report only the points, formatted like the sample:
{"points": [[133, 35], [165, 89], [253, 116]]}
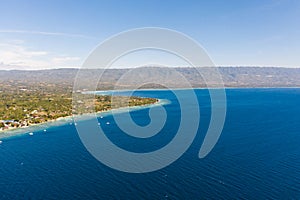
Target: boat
{"points": [[0, 141], [31, 133], [107, 123]]}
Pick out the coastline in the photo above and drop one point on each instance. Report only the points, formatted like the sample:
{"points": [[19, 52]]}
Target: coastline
{"points": [[108, 92], [15, 132], [4, 134]]}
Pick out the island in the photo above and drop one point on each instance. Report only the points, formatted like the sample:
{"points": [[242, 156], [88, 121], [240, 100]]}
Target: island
{"points": [[36, 96]]}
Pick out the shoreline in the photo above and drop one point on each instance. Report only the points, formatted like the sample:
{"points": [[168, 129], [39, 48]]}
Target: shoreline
{"points": [[20, 131], [105, 92], [4, 134]]}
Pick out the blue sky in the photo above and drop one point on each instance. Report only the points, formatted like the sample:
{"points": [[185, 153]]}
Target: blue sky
{"points": [[61, 33]]}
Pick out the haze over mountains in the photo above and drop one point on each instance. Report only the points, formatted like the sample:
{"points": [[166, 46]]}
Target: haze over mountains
{"points": [[232, 77]]}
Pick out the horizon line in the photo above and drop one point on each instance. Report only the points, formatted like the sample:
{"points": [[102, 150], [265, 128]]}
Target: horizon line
{"points": [[221, 66]]}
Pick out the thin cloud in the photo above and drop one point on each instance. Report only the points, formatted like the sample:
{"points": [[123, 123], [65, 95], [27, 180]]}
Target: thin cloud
{"points": [[17, 56], [49, 33], [63, 59]]}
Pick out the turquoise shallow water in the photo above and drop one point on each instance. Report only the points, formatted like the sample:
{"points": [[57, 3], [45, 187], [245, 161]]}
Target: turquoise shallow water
{"points": [[257, 156]]}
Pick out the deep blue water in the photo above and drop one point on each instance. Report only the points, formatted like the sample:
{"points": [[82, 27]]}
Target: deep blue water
{"points": [[256, 157]]}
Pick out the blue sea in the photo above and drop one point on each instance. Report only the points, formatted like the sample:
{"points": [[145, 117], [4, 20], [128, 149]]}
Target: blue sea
{"points": [[257, 155]]}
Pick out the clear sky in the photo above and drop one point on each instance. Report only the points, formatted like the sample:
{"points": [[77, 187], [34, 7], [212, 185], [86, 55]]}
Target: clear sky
{"points": [[61, 33]]}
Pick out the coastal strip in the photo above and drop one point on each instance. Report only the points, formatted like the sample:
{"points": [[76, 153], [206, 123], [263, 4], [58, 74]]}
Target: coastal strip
{"points": [[69, 120]]}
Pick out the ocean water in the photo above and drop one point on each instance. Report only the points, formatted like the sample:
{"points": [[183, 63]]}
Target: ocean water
{"points": [[256, 157]]}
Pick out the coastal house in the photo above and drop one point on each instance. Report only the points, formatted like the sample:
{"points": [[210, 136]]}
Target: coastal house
{"points": [[34, 112], [5, 127]]}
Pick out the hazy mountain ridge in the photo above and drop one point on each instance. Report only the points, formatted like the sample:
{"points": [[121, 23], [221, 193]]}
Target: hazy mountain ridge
{"points": [[232, 77]]}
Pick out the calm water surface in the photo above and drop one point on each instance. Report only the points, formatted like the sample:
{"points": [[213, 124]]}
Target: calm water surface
{"points": [[257, 156]]}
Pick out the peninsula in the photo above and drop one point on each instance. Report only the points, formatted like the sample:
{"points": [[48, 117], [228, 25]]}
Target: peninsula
{"points": [[23, 104]]}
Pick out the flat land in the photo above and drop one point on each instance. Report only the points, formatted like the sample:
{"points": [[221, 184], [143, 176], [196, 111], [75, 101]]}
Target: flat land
{"points": [[24, 104]]}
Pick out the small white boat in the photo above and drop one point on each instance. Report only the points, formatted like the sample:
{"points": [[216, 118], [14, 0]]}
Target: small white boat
{"points": [[98, 123], [45, 130], [31, 133], [107, 123], [101, 117], [75, 124], [0, 141]]}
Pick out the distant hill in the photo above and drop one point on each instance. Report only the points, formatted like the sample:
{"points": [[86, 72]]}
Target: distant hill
{"points": [[232, 77]]}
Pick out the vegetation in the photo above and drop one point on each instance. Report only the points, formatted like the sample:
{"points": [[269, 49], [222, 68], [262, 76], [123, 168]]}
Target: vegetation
{"points": [[25, 104]]}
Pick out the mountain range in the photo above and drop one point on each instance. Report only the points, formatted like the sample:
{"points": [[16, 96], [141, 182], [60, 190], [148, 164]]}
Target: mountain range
{"points": [[155, 77]]}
